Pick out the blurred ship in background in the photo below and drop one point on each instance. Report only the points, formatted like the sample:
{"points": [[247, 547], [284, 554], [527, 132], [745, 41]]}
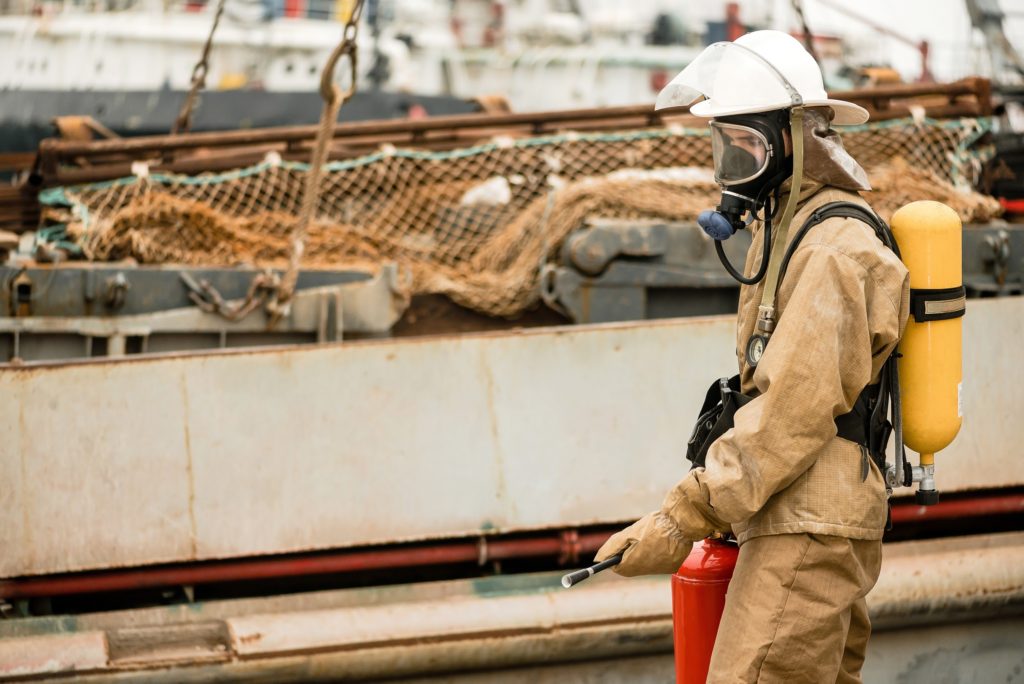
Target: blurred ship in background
{"points": [[128, 64]]}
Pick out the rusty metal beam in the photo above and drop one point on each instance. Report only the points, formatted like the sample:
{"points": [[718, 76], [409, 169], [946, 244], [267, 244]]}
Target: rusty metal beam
{"points": [[967, 86], [16, 161], [298, 150], [539, 122], [19, 208], [534, 122]]}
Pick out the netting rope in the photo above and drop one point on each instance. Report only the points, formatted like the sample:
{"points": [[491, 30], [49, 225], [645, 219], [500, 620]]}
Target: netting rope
{"points": [[476, 223]]}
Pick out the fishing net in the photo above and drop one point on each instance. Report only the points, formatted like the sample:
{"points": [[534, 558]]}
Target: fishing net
{"points": [[476, 224]]}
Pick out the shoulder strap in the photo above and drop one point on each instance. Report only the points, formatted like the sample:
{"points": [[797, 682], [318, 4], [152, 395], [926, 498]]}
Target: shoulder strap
{"points": [[841, 210]]}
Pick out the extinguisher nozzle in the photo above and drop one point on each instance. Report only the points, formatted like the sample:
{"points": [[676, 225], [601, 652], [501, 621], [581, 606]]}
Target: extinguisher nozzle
{"points": [[578, 576], [574, 577]]}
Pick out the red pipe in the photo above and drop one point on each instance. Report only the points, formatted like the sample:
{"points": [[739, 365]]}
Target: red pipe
{"points": [[959, 508], [567, 545]]}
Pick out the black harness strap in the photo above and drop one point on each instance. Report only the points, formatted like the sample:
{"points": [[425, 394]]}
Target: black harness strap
{"points": [[865, 424]]}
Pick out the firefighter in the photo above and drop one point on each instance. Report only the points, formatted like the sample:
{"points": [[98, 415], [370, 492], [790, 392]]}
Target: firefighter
{"points": [[807, 505]]}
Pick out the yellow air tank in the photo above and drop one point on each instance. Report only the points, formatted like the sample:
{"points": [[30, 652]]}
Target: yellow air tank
{"points": [[929, 238]]}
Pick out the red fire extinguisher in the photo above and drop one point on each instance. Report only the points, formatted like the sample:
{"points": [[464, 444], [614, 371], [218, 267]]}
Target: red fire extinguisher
{"points": [[698, 599]]}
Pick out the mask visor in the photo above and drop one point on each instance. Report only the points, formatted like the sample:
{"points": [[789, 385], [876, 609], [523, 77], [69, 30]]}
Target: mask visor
{"points": [[740, 153]]}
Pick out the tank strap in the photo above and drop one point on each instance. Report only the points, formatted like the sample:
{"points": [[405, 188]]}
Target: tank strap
{"points": [[938, 304]]}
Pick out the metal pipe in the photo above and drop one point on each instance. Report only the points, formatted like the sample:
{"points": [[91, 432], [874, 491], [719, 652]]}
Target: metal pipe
{"points": [[959, 508], [231, 159], [568, 546], [482, 551], [966, 86], [539, 122], [235, 157], [69, 149]]}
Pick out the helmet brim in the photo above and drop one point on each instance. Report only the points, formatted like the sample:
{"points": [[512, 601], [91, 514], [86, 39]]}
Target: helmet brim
{"points": [[846, 113]]}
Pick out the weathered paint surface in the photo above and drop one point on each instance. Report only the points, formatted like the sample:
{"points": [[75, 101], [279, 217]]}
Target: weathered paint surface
{"points": [[987, 450], [453, 621], [52, 654], [947, 654], [234, 454], [493, 623], [957, 653], [944, 577], [218, 455]]}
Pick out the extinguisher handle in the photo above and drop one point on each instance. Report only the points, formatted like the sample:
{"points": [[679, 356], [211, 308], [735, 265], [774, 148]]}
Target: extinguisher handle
{"points": [[580, 575]]}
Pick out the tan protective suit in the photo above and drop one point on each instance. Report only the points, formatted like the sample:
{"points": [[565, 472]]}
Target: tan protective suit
{"points": [[792, 492]]}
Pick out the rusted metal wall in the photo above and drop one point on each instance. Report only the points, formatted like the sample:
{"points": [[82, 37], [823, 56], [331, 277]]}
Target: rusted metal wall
{"points": [[110, 464]]}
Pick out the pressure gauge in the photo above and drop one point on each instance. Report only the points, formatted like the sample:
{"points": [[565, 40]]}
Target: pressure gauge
{"points": [[755, 349]]}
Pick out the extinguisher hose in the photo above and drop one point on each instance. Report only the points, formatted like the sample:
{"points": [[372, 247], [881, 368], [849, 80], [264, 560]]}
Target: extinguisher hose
{"points": [[580, 575]]}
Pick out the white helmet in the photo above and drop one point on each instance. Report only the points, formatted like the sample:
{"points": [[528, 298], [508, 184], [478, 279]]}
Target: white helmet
{"points": [[759, 72]]}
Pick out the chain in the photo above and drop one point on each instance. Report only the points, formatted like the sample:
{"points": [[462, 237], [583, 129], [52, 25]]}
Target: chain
{"points": [[184, 120], [205, 296], [334, 97]]}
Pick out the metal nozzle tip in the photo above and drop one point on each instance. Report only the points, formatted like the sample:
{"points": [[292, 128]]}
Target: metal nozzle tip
{"points": [[566, 582]]}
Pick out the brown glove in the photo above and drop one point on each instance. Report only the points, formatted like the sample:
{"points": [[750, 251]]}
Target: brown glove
{"points": [[688, 505], [653, 545]]}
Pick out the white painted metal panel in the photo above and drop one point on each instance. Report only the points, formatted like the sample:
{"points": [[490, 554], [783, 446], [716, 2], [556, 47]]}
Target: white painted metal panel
{"points": [[99, 464], [989, 450], [593, 427], [439, 437], [341, 446], [272, 451], [53, 654]]}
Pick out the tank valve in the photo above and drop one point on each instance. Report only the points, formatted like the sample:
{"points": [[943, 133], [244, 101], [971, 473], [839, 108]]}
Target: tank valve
{"points": [[924, 475]]}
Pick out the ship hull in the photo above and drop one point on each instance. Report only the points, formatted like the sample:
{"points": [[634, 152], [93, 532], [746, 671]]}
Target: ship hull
{"points": [[26, 116]]}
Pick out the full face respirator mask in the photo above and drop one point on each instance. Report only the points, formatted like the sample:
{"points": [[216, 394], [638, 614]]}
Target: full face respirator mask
{"points": [[751, 163]]}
